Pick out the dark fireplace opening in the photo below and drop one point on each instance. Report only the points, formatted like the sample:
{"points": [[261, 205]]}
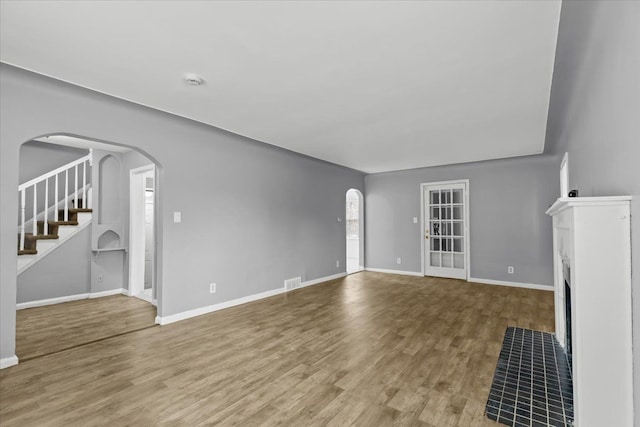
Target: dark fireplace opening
{"points": [[568, 331]]}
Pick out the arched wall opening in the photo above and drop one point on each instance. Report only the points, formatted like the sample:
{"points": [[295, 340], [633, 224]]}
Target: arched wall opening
{"points": [[354, 231], [109, 231]]}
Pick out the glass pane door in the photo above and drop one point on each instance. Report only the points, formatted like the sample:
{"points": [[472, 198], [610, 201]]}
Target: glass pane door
{"points": [[445, 230]]}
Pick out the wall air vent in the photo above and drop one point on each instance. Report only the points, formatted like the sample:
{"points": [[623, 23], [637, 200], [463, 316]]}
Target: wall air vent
{"points": [[291, 284]]}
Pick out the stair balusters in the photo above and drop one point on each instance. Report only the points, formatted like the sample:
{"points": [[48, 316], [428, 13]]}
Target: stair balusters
{"points": [[55, 174]]}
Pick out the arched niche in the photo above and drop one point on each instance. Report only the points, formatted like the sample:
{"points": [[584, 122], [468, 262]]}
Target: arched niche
{"points": [[109, 240]]}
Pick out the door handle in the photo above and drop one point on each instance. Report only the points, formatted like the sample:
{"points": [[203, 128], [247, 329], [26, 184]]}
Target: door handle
{"points": [[426, 235]]}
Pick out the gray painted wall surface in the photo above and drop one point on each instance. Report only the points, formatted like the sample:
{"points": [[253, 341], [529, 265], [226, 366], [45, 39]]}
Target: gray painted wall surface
{"points": [[594, 115], [508, 226], [63, 272], [37, 158], [252, 215]]}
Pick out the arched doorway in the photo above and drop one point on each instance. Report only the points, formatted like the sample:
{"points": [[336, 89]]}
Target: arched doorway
{"points": [[95, 255], [355, 231]]}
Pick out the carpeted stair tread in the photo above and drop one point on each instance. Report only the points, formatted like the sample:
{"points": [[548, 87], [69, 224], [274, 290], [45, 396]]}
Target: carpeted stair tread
{"points": [[76, 210], [29, 245], [58, 223], [30, 241], [52, 229], [27, 252], [46, 236]]}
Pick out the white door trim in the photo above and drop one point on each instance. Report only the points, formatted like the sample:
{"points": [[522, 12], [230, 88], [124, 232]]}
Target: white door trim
{"points": [[136, 229], [467, 255], [361, 253]]}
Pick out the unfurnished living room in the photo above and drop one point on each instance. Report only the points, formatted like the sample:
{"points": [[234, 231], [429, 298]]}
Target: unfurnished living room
{"points": [[320, 213]]}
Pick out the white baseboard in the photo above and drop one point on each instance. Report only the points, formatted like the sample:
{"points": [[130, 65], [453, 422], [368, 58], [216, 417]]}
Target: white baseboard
{"points": [[471, 279], [165, 320], [68, 298], [404, 273], [119, 291], [5, 362], [322, 279], [513, 284]]}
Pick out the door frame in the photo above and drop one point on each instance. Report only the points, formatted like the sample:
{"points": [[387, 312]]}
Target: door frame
{"points": [[361, 253], [137, 230], [467, 223]]}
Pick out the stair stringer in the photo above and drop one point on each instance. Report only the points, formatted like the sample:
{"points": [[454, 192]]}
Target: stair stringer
{"points": [[45, 247]]}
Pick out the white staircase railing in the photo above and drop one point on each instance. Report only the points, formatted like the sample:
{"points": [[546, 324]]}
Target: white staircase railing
{"points": [[54, 175]]}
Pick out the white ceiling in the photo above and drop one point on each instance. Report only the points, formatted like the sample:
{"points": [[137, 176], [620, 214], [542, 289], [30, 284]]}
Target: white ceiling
{"points": [[375, 86]]}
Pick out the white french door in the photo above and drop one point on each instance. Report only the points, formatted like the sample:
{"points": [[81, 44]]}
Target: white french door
{"points": [[445, 229]]}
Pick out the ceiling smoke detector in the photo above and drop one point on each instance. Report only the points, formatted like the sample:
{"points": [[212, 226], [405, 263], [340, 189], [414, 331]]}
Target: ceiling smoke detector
{"points": [[193, 79]]}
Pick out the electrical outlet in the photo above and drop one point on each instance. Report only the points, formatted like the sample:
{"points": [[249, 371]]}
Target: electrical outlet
{"points": [[399, 261], [415, 219], [338, 264], [177, 217], [212, 288], [100, 278], [510, 269]]}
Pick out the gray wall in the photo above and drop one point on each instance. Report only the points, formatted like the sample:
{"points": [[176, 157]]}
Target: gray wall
{"points": [[63, 272], [507, 201], [594, 114], [37, 158], [252, 215]]}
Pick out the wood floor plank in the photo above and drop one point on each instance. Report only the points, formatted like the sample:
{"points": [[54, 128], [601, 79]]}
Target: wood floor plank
{"points": [[49, 329], [369, 349]]}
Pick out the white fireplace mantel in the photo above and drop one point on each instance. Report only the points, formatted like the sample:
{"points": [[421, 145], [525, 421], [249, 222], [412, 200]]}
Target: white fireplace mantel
{"points": [[592, 235]]}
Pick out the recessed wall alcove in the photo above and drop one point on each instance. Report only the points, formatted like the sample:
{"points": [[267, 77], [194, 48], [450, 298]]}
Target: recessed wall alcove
{"points": [[109, 240]]}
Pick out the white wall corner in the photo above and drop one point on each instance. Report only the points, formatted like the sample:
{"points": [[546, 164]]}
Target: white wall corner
{"points": [[8, 361]]}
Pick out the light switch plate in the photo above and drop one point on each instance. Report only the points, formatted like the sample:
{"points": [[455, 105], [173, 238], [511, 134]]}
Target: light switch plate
{"points": [[177, 217]]}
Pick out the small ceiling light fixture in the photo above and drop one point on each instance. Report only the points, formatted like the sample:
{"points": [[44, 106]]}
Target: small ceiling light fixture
{"points": [[193, 79]]}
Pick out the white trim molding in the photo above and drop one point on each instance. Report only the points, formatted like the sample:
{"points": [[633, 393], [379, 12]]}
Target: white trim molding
{"points": [[322, 280], [512, 284], [6, 362], [108, 293], [404, 273], [165, 320], [68, 298]]}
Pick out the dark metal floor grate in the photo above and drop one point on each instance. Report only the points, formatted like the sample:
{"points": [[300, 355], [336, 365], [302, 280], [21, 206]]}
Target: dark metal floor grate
{"points": [[532, 384]]}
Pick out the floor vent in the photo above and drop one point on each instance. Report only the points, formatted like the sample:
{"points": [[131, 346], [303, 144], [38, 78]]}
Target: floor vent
{"points": [[291, 284]]}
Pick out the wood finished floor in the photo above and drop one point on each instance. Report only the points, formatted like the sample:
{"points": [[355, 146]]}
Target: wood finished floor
{"points": [[371, 349], [46, 330]]}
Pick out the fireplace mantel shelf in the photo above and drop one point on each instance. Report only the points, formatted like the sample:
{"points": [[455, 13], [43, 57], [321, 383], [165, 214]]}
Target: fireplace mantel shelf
{"points": [[569, 202]]}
